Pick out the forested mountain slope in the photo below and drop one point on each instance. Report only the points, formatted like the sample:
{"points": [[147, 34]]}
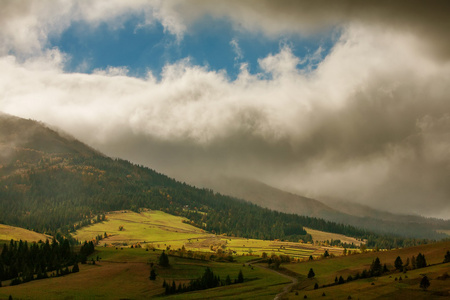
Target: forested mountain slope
{"points": [[340, 212], [51, 183]]}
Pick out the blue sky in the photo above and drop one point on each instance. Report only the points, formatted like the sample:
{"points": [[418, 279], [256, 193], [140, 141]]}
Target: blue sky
{"points": [[209, 43]]}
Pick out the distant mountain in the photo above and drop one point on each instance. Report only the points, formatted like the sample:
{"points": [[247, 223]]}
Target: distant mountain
{"points": [[365, 211], [52, 183], [270, 197], [336, 211]]}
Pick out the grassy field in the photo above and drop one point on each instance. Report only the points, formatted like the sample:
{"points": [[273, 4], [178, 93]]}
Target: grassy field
{"points": [[123, 274], [8, 233], [322, 236], [161, 230], [327, 270]]}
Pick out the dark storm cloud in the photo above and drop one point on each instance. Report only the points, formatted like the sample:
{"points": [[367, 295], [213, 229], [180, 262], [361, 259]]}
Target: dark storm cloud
{"points": [[429, 20]]}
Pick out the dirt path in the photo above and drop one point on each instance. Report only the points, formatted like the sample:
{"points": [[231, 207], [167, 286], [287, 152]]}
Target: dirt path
{"points": [[287, 288]]}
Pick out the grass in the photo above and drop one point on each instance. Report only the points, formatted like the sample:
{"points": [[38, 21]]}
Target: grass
{"points": [[323, 236], [123, 274], [8, 233], [384, 287], [162, 230], [145, 228]]}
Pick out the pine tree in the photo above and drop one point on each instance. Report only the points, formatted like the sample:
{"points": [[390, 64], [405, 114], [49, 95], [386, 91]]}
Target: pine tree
{"points": [[447, 257], [75, 268], [163, 260], [316, 286], [421, 262], [228, 280], [240, 277], [376, 268], [424, 283], [398, 263], [311, 273], [152, 275], [413, 263]]}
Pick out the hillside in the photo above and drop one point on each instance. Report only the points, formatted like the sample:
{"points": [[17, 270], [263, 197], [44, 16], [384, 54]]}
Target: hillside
{"points": [[51, 183], [341, 212], [60, 184], [8, 233]]}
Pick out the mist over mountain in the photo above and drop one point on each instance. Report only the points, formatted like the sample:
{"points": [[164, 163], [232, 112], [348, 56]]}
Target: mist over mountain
{"points": [[337, 211], [58, 185]]}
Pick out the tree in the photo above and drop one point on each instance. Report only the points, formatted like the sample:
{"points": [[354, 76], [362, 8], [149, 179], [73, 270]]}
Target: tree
{"points": [[75, 268], [376, 268], [228, 280], [311, 273], [341, 280], [316, 286], [447, 257], [326, 254], [424, 283], [163, 260], [152, 274], [413, 263], [240, 277], [421, 262], [398, 263]]}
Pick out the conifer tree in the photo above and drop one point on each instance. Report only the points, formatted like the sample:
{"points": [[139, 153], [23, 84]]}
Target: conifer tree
{"points": [[75, 268], [228, 280], [311, 273], [421, 262], [163, 260], [424, 283], [376, 268], [240, 277], [447, 257], [152, 275], [398, 264]]}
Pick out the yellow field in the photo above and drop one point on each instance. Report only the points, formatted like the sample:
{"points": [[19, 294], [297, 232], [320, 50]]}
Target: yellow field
{"points": [[322, 236], [16, 233], [161, 230]]}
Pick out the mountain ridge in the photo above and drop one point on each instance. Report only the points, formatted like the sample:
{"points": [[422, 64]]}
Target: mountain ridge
{"points": [[342, 212]]}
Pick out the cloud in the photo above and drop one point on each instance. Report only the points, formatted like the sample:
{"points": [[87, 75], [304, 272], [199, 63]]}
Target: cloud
{"points": [[369, 123], [236, 49]]}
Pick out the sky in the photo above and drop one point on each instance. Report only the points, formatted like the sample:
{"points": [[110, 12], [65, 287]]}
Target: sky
{"points": [[328, 99]]}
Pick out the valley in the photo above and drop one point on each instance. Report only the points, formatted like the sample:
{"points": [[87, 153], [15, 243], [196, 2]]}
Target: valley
{"points": [[109, 222]]}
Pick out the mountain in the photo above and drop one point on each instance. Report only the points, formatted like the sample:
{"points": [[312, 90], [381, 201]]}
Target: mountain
{"points": [[50, 182], [337, 211]]}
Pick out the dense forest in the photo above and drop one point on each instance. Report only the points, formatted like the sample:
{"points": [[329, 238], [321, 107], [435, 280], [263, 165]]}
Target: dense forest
{"points": [[57, 185], [21, 262]]}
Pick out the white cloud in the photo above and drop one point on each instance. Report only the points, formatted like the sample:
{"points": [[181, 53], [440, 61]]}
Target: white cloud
{"points": [[236, 49]]}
